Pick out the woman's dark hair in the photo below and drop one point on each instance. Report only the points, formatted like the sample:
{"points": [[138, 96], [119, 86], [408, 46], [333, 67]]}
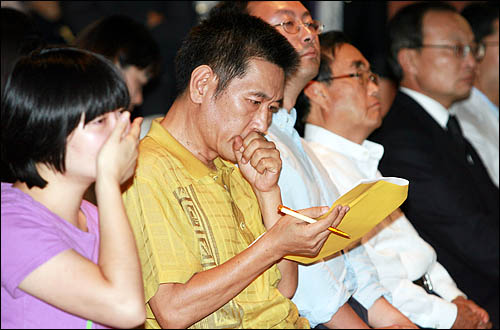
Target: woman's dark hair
{"points": [[405, 30], [122, 40], [330, 42], [46, 95], [226, 42]]}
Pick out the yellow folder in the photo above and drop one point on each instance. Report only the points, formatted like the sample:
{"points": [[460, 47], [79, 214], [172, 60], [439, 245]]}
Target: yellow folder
{"points": [[370, 202]]}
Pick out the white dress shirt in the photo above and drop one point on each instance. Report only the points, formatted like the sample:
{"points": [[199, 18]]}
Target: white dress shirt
{"points": [[398, 252], [326, 285], [478, 118], [435, 109]]}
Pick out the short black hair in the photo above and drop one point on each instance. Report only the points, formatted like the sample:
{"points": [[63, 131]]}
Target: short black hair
{"points": [[122, 40], [227, 42], [230, 7], [45, 97], [405, 30], [481, 17], [330, 42]]}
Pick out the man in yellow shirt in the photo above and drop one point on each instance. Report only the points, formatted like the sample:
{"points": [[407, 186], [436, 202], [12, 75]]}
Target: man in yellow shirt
{"points": [[200, 221]]}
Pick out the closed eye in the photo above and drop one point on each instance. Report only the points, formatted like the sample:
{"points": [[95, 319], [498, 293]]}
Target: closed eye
{"points": [[273, 109], [99, 120]]}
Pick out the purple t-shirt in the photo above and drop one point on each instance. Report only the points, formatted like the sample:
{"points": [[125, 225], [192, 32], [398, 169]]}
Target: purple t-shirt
{"points": [[31, 235]]}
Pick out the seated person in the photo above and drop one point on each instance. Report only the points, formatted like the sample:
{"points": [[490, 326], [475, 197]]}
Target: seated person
{"points": [[452, 201], [341, 107], [19, 37], [342, 290], [129, 45], [66, 264], [478, 114], [132, 48], [205, 189]]}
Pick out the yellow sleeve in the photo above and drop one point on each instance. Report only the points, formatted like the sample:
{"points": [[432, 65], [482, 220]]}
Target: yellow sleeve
{"points": [[165, 239]]}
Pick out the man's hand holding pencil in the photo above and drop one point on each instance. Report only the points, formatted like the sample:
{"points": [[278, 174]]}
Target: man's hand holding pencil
{"points": [[296, 237]]}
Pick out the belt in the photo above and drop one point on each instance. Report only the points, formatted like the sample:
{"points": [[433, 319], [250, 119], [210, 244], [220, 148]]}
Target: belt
{"points": [[425, 282]]}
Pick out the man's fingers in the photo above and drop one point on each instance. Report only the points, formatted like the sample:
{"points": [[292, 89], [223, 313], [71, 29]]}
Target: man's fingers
{"points": [[270, 163], [313, 212], [256, 142], [238, 148]]}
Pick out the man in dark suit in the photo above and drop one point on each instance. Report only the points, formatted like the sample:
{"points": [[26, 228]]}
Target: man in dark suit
{"points": [[452, 202]]}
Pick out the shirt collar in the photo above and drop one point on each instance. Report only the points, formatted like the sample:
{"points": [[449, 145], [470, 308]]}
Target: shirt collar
{"points": [[285, 121], [490, 104], [192, 164], [364, 152], [435, 109]]}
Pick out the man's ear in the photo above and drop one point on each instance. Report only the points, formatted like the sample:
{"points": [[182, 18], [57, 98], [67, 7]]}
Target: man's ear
{"points": [[317, 93], [408, 60], [199, 83]]}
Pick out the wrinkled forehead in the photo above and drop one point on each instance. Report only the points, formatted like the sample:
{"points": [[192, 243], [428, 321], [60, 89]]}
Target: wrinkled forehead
{"points": [[446, 26], [273, 11], [348, 57]]}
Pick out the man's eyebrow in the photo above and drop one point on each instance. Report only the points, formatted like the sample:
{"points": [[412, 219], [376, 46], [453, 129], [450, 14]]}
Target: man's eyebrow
{"points": [[291, 13], [265, 96], [306, 14], [358, 64], [285, 11], [260, 94]]}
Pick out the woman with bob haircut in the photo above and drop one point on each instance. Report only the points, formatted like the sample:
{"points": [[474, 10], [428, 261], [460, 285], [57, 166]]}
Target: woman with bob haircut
{"points": [[66, 264]]}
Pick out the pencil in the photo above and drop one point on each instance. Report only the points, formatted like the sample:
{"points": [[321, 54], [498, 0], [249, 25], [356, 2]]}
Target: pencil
{"points": [[297, 215]]}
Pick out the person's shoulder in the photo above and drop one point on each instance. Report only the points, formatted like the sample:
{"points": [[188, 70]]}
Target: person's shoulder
{"points": [[154, 155], [18, 205]]}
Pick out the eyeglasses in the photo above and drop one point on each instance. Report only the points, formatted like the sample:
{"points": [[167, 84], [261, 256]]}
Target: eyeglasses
{"points": [[365, 76], [461, 51], [293, 27]]}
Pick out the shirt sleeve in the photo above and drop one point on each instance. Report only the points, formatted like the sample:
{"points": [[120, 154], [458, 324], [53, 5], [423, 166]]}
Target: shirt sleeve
{"points": [[397, 267], [443, 284], [164, 238], [319, 294], [369, 288], [27, 243]]}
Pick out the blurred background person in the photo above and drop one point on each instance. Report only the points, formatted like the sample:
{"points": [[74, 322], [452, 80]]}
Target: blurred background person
{"points": [[452, 202], [19, 37], [342, 107], [478, 114], [168, 21], [129, 45]]}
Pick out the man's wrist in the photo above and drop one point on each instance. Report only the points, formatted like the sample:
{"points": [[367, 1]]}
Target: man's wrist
{"points": [[272, 194]]}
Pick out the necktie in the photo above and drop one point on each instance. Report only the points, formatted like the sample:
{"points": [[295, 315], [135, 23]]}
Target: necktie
{"points": [[455, 131]]}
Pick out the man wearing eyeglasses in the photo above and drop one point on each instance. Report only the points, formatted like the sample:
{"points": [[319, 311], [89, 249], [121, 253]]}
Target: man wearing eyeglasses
{"points": [[478, 114], [343, 291], [341, 108], [452, 202]]}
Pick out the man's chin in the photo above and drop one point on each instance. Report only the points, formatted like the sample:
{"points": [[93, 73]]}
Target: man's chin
{"points": [[460, 96]]}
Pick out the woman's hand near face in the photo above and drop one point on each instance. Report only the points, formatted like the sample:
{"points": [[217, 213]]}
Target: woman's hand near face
{"points": [[117, 157]]}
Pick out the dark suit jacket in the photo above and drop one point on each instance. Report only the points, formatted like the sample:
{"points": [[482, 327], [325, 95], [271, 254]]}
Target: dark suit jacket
{"points": [[452, 203]]}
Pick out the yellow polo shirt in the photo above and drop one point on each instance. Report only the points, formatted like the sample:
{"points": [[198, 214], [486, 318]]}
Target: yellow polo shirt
{"points": [[188, 218]]}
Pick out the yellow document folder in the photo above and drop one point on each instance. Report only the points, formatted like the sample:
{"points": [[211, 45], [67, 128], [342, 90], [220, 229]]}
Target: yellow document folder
{"points": [[370, 202]]}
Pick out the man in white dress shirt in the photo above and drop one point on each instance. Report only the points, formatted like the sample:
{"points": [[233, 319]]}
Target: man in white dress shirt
{"points": [[341, 108], [478, 114]]}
